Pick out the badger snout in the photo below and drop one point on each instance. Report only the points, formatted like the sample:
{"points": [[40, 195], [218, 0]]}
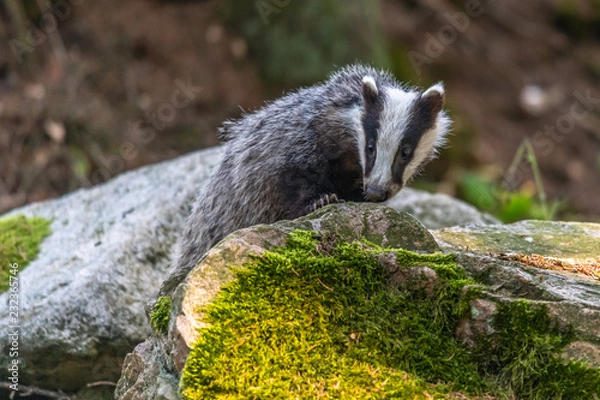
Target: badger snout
{"points": [[376, 194]]}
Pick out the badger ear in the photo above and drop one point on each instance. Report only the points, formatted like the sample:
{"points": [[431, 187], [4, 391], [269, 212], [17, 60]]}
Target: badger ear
{"points": [[369, 89], [433, 98]]}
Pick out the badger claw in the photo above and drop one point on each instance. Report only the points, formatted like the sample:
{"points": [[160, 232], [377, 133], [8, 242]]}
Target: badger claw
{"points": [[324, 201]]}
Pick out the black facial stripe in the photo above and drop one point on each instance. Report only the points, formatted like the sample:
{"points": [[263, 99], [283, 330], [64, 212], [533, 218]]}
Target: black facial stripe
{"points": [[370, 122], [422, 118]]}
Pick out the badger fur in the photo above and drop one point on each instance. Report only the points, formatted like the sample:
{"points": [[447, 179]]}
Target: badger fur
{"points": [[359, 136]]}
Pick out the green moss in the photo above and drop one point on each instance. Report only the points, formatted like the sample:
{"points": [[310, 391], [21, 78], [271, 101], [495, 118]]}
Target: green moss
{"points": [[20, 240], [524, 358], [319, 319], [161, 315], [300, 324]]}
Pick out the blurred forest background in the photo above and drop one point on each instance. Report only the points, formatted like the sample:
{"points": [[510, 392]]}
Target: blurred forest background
{"points": [[91, 89]]}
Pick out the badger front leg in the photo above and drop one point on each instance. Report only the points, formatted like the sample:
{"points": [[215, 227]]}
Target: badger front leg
{"points": [[324, 201]]}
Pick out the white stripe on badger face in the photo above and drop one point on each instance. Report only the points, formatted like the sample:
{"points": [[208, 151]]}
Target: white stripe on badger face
{"points": [[423, 150], [430, 142], [393, 121], [352, 118]]}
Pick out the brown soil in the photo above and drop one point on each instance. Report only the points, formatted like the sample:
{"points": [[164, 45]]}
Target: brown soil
{"points": [[113, 94], [106, 104]]}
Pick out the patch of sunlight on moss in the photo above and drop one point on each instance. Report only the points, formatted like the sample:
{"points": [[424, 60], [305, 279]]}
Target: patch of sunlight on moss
{"points": [[300, 324], [20, 239], [320, 320], [161, 315]]}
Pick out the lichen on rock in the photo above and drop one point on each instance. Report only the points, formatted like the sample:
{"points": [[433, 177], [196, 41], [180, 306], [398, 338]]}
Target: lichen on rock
{"points": [[541, 261], [565, 240]]}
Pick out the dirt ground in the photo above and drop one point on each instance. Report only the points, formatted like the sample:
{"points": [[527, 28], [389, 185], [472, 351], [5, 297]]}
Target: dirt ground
{"points": [[124, 84]]}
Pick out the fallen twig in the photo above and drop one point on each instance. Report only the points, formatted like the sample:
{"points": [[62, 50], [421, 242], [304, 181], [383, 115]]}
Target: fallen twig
{"points": [[25, 391]]}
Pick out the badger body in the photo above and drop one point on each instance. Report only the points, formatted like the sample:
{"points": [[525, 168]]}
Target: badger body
{"points": [[359, 136]]}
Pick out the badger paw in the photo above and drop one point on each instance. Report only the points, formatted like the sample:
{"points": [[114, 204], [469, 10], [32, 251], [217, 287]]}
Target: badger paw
{"points": [[323, 201]]}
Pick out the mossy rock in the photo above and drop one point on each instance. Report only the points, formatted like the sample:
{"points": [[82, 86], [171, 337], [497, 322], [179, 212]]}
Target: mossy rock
{"points": [[377, 224], [315, 317], [20, 240], [322, 318], [551, 264], [345, 222], [333, 305]]}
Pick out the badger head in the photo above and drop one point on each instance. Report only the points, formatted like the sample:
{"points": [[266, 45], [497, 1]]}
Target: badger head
{"points": [[401, 132]]}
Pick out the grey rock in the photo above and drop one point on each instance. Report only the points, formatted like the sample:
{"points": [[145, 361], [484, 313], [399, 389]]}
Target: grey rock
{"points": [[82, 300], [478, 322], [145, 376], [437, 211], [551, 272], [585, 351]]}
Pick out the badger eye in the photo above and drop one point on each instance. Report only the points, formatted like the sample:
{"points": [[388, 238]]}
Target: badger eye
{"points": [[371, 149], [405, 152]]}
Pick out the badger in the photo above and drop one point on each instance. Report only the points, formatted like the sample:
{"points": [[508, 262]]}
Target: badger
{"points": [[360, 136]]}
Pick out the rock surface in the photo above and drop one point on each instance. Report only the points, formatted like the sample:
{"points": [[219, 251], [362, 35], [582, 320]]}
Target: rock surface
{"points": [[552, 263], [576, 241], [348, 222], [438, 210], [572, 299], [82, 300]]}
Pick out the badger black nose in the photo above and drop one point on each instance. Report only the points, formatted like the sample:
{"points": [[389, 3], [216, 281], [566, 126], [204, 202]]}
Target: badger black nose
{"points": [[376, 193]]}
